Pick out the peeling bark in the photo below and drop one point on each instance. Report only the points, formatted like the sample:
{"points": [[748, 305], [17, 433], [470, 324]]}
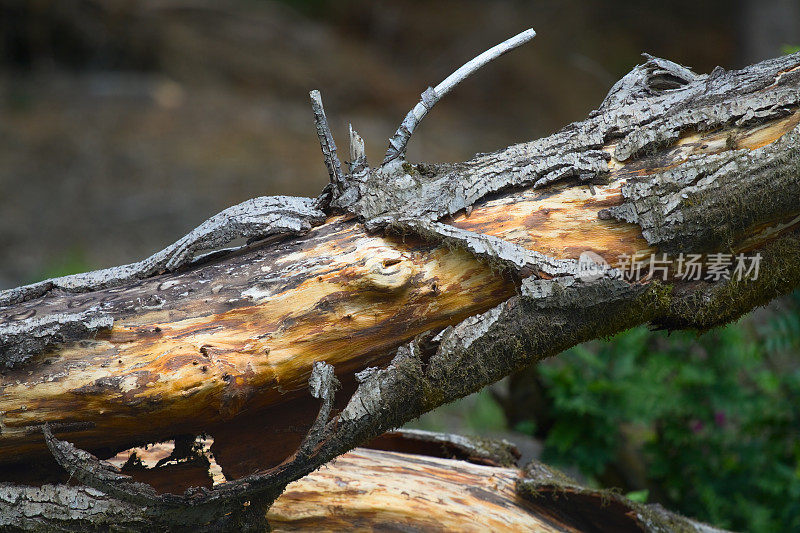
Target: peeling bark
{"points": [[24, 334], [714, 202], [476, 274], [373, 489], [656, 104]]}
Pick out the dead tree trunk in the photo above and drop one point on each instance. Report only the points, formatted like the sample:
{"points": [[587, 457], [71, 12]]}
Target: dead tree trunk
{"points": [[418, 283], [473, 484]]}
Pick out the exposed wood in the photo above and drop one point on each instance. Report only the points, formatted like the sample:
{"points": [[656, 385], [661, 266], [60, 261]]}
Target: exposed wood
{"points": [[245, 330], [369, 489], [671, 161]]}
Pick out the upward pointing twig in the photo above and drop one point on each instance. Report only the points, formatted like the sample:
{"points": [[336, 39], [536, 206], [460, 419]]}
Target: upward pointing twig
{"points": [[398, 142], [326, 139]]}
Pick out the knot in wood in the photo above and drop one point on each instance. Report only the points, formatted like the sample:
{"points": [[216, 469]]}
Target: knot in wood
{"points": [[388, 271]]}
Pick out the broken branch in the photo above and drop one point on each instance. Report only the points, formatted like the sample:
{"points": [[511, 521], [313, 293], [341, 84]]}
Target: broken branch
{"points": [[326, 141], [399, 141]]}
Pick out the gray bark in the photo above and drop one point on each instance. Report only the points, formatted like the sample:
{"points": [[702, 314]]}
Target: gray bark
{"points": [[701, 206], [66, 508], [23, 334], [650, 107]]}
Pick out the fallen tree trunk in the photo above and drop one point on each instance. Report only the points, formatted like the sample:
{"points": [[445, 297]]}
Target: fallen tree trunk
{"points": [[369, 489], [671, 162]]}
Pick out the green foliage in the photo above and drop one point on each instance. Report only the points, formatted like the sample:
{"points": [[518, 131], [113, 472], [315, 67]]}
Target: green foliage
{"points": [[716, 418], [478, 413], [782, 333], [790, 49], [639, 496], [73, 261]]}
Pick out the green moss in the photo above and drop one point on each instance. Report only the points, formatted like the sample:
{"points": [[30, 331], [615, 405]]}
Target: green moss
{"points": [[542, 481], [721, 303], [498, 450]]}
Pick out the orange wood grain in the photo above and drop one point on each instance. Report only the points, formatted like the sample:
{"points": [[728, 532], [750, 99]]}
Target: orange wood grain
{"points": [[355, 296], [368, 489]]}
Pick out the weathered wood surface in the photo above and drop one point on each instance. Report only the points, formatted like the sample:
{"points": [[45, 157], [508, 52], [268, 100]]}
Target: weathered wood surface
{"points": [[672, 161], [371, 489], [191, 349]]}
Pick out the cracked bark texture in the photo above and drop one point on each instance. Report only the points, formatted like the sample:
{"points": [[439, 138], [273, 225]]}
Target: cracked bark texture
{"points": [[477, 275], [655, 104], [373, 488], [257, 218]]}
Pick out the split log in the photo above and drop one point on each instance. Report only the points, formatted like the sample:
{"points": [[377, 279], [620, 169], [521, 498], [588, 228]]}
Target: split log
{"points": [[368, 489], [373, 489], [471, 269]]}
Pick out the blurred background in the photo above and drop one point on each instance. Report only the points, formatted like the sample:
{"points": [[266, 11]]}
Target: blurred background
{"points": [[125, 123]]}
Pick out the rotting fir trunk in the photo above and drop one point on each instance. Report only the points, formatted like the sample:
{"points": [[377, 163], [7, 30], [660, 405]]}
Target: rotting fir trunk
{"points": [[418, 283]]}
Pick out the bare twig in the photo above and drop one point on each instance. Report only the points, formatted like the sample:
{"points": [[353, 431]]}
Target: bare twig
{"points": [[326, 139], [398, 142]]}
